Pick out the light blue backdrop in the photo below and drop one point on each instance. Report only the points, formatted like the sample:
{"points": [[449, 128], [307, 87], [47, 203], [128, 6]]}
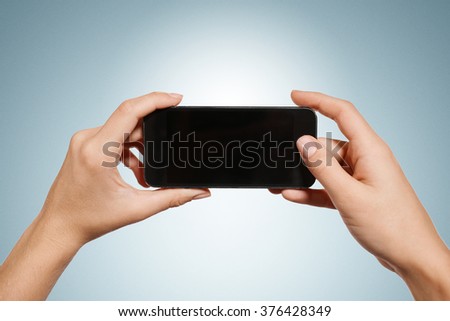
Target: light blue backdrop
{"points": [[66, 65]]}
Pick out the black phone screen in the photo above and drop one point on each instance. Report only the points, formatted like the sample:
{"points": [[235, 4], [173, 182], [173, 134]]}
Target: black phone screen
{"points": [[227, 147]]}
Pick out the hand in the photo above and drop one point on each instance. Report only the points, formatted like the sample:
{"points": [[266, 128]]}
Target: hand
{"points": [[88, 200], [380, 208]]}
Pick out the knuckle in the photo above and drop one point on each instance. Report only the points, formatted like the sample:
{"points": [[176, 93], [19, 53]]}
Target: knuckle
{"points": [[77, 139], [384, 149], [176, 202], [319, 94], [87, 154], [83, 149], [347, 104], [322, 140], [319, 168], [155, 95], [126, 107], [346, 108]]}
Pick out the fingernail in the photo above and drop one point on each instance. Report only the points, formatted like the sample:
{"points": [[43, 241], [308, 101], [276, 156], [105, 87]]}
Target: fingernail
{"points": [[296, 91], [307, 145], [175, 95], [201, 195]]}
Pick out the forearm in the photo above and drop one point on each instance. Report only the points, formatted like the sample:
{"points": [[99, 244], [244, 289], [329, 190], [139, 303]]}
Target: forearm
{"points": [[36, 261]]}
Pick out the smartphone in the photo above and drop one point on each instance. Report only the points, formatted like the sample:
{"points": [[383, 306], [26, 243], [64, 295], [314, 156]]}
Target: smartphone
{"points": [[238, 147]]}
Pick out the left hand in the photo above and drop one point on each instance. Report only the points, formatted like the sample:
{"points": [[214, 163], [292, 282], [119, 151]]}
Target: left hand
{"points": [[88, 200]]}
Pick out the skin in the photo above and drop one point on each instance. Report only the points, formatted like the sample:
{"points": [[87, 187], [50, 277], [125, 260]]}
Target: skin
{"points": [[363, 181], [86, 201]]}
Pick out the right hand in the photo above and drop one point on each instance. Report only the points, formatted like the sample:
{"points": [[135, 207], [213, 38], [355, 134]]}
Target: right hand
{"points": [[376, 202]]}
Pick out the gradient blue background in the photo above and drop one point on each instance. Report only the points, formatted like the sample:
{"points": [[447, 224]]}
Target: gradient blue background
{"points": [[66, 65]]}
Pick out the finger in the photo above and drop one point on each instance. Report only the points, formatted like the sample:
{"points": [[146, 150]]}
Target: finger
{"points": [[136, 166], [325, 168], [95, 130], [347, 117], [313, 197], [152, 202], [275, 191], [127, 116], [136, 134], [335, 146], [337, 149]]}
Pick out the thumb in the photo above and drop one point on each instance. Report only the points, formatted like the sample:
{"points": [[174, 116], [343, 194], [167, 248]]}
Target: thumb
{"points": [[323, 166], [152, 202]]}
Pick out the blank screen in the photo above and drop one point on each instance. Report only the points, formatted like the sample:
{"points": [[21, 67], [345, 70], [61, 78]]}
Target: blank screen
{"points": [[227, 146]]}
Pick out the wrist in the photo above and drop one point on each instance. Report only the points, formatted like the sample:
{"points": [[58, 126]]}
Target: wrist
{"points": [[37, 260], [429, 278], [57, 233]]}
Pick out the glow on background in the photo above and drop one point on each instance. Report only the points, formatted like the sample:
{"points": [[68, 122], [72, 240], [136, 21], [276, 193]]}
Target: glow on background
{"points": [[66, 65]]}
